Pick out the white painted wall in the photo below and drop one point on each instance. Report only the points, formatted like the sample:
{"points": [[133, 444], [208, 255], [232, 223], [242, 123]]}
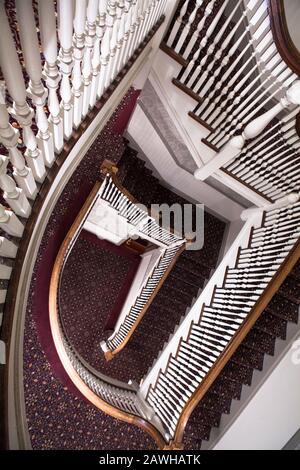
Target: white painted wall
{"points": [[144, 134], [273, 415]]}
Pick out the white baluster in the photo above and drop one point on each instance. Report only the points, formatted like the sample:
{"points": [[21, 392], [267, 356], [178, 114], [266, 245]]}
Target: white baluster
{"points": [[264, 42], [15, 83], [47, 25], [105, 46], [36, 90], [65, 32], [120, 40], [252, 130], [283, 81], [9, 137], [207, 12], [90, 38], [279, 73], [7, 248], [210, 30], [138, 21], [177, 24], [112, 57], [187, 27], [218, 72], [13, 195], [133, 30], [10, 223], [96, 51], [223, 43], [221, 77], [269, 56], [78, 50]]}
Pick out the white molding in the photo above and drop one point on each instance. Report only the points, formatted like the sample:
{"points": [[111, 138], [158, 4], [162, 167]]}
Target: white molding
{"points": [[163, 96]]}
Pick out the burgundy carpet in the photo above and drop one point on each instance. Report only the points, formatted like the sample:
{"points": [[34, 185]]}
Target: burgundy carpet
{"points": [[58, 418], [95, 283]]}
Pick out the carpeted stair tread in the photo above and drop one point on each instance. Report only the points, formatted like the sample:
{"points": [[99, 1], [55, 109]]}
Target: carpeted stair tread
{"points": [[206, 416], [199, 259], [193, 267], [272, 324], [217, 403], [283, 308], [232, 388], [248, 357], [182, 275], [238, 373], [163, 300], [126, 164], [135, 172], [145, 189], [198, 432], [191, 289], [260, 341], [296, 271], [181, 292], [290, 289]]}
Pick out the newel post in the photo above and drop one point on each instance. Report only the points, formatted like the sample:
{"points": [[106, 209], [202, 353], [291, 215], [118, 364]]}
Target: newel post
{"points": [[253, 129]]}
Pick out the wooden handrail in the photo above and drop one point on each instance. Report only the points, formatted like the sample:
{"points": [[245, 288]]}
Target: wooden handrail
{"points": [[58, 340], [110, 354], [281, 35], [225, 356], [11, 297], [108, 167]]}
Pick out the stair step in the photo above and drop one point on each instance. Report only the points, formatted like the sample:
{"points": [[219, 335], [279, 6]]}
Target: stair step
{"points": [[216, 402], [180, 282], [170, 289], [194, 280], [204, 415], [223, 384], [238, 373], [193, 267], [283, 308], [260, 341], [248, 357], [272, 324], [290, 289]]}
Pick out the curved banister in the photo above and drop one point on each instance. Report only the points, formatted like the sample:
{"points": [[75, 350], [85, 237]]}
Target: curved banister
{"points": [[281, 35], [117, 399]]}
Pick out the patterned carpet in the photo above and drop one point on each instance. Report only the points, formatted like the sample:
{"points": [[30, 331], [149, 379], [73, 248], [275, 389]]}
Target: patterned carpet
{"points": [[58, 418], [92, 289]]}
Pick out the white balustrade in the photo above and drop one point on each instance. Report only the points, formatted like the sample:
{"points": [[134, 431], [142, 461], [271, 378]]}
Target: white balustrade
{"points": [[15, 83], [14, 196], [65, 33], [36, 90], [10, 223], [47, 25], [7, 248], [177, 24], [9, 137], [95, 61], [78, 51], [221, 309]]}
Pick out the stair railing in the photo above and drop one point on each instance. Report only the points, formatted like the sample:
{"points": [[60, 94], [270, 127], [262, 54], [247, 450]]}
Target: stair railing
{"points": [[235, 65], [146, 227], [62, 96], [118, 399], [250, 274]]}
